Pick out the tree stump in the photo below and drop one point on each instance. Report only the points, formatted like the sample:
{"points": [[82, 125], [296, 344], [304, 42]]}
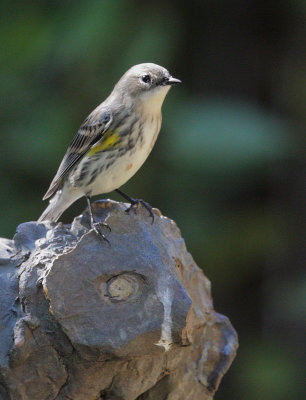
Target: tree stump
{"points": [[83, 319]]}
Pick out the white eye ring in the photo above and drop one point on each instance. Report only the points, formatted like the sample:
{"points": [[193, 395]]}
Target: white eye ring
{"points": [[146, 79]]}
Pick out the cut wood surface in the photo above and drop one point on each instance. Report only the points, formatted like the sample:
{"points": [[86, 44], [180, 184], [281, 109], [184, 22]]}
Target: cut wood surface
{"points": [[83, 319]]}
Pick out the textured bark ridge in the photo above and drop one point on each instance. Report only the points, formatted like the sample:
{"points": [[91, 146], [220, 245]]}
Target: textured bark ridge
{"points": [[83, 319]]}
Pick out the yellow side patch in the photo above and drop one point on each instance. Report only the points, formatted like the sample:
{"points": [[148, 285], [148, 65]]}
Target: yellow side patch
{"points": [[109, 141]]}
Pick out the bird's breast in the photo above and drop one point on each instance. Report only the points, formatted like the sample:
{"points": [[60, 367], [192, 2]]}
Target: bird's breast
{"points": [[118, 166], [107, 170]]}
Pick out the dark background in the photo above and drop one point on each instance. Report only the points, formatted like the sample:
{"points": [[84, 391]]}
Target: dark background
{"points": [[228, 166]]}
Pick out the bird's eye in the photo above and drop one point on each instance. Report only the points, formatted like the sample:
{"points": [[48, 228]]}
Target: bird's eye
{"points": [[146, 78]]}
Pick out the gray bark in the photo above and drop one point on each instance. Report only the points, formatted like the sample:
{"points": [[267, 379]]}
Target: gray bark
{"points": [[83, 319]]}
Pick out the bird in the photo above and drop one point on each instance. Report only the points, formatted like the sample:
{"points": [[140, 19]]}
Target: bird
{"points": [[112, 143]]}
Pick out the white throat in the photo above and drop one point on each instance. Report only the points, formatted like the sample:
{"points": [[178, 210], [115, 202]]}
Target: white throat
{"points": [[153, 100]]}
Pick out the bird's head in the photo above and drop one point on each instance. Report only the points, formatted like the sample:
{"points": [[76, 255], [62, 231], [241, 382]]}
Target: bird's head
{"points": [[147, 83]]}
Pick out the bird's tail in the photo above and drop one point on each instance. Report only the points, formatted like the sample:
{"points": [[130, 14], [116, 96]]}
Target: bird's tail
{"points": [[58, 204]]}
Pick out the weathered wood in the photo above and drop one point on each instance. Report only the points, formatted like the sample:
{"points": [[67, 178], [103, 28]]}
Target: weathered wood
{"points": [[84, 320]]}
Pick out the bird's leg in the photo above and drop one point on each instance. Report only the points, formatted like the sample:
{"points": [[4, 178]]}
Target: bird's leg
{"points": [[96, 226], [135, 203]]}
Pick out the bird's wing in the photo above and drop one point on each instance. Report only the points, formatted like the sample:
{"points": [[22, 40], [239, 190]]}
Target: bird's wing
{"points": [[90, 132]]}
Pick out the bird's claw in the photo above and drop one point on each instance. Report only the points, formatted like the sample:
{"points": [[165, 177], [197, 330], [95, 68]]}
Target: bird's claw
{"points": [[134, 206], [104, 224], [96, 227]]}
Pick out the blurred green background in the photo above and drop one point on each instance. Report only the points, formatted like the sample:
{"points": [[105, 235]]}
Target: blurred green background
{"points": [[228, 166]]}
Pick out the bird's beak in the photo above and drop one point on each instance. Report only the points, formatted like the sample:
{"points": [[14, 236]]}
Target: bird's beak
{"points": [[173, 81]]}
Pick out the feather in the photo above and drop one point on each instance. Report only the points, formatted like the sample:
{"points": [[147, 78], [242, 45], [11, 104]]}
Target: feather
{"points": [[91, 131]]}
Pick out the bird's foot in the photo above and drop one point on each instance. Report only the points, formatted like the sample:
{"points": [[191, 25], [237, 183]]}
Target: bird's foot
{"points": [[135, 203], [104, 225], [96, 227], [134, 206]]}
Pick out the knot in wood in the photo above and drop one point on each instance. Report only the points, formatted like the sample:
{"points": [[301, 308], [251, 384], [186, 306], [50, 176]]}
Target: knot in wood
{"points": [[121, 287]]}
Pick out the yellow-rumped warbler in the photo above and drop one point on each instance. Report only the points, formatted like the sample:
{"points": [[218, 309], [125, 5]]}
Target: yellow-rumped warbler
{"points": [[113, 141]]}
